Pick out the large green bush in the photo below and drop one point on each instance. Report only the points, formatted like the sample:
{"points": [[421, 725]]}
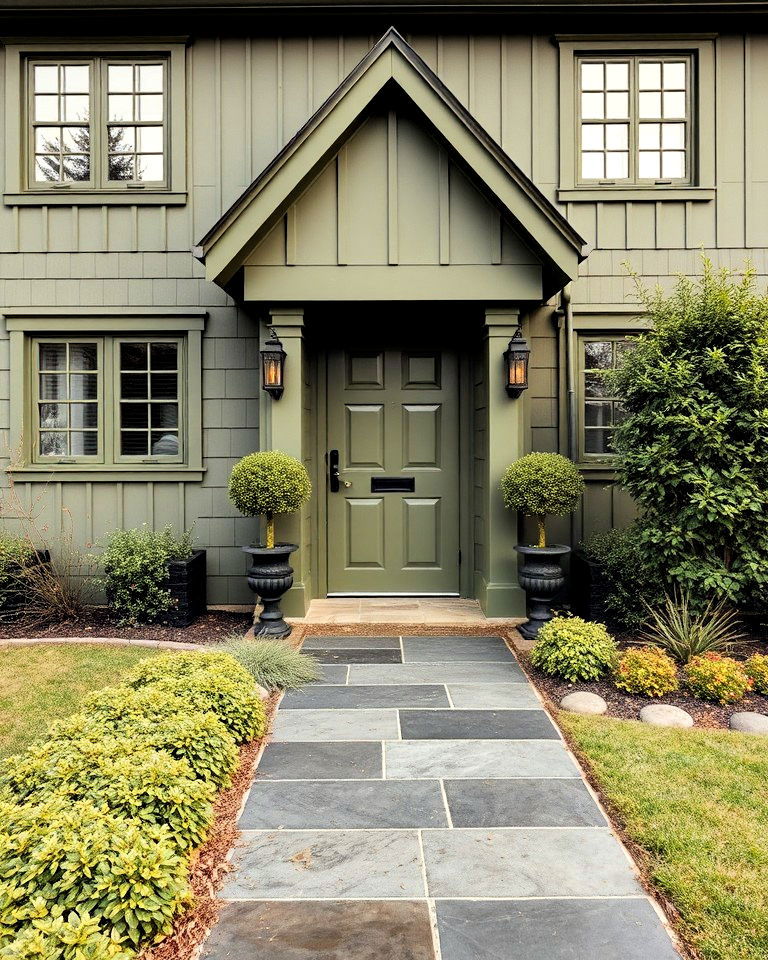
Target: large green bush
{"points": [[632, 583], [541, 485], [136, 571], [268, 483], [693, 447], [572, 649], [274, 664]]}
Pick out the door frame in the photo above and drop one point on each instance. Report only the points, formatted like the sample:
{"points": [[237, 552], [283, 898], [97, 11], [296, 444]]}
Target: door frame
{"points": [[319, 367]]}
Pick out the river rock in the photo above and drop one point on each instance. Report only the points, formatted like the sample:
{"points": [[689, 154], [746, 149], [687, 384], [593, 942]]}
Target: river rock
{"points": [[665, 715], [749, 722], [584, 702]]}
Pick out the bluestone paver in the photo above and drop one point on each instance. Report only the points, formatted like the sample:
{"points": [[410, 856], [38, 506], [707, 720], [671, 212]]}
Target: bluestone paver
{"points": [[478, 758], [350, 643], [493, 696], [469, 672], [477, 725], [364, 655], [328, 697], [313, 761], [333, 673], [522, 803], [430, 649], [323, 725]]}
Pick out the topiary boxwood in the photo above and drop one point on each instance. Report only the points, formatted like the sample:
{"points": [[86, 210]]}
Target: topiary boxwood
{"points": [[542, 484], [268, 483]]}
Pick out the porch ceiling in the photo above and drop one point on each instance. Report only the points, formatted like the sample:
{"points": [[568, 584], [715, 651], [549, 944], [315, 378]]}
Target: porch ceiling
{"points": [[393, 72]]}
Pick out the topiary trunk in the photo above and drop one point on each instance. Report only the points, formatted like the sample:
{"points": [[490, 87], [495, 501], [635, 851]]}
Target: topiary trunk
{"points": [[541, 520], [270, 530]]}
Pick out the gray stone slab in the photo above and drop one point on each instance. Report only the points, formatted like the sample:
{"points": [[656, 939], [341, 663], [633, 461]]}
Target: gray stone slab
{"points": [[315, 761], [322, 930], [527, 863], [627, 929], [347, 655], [344, 804], [449, 649], [522, 803], [478, 758], [351, 643], [469, 672], [493, 696], [366, 697], [333, 673], [314, 725], [309, 864], [477, 725]]}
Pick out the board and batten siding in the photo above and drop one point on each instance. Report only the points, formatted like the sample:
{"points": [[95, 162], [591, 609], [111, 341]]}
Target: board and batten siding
{"points": [[246, 97]]}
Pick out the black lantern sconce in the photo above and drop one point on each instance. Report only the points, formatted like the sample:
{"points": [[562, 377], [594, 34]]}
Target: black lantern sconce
{"points": [[516, 365], [273, 367]]}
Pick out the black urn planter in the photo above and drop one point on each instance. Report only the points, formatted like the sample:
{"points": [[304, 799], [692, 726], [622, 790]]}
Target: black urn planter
{"points": [[541, 576], [270, 576], [187, 584]]}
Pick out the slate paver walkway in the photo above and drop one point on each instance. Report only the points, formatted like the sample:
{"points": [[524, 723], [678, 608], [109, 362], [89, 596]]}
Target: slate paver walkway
{"points": [[420, 804]]}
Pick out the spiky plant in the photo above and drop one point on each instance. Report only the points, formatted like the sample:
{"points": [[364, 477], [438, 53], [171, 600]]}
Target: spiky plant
{"points": [[685, 634]]}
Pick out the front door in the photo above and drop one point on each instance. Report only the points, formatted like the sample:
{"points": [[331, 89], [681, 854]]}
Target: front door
{"points": [[393, 429]]}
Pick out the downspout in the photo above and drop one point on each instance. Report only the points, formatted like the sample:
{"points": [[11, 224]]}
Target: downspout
{"points": [[570, 371]]}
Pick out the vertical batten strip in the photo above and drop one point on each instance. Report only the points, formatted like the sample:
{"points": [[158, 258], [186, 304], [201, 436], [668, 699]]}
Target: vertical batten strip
{"points": [[151, 504], [392, 200], [748, 198], [496, 226], [89, 513], [217, 138], [471, 86], [135, 228], [341, 206], [75, 221], [120, 505], [248, 106], [290, 236], [444, 215], [44, 229], [104, 227], [279, 107]]}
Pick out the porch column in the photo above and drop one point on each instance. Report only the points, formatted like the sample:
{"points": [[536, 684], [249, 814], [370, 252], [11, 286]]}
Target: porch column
{"points": [[499, 593], [284, 426]]}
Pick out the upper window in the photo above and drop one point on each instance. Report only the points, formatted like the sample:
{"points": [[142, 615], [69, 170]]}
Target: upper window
{"points": [[98, 122], [634, 121]]}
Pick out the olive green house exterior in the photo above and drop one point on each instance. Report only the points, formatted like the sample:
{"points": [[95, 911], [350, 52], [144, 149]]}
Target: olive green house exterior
{"points": [[393, 189]]}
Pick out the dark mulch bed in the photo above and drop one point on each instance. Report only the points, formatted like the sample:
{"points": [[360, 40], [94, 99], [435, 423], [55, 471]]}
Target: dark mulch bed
{"points": [[627, 707], [95, 622]]}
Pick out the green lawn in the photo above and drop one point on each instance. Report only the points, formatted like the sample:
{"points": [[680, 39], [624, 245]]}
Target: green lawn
{"points": [[696, 801], [39, 684]]}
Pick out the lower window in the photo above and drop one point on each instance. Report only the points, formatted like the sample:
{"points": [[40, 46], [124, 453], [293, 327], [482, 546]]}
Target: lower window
{"points": [[601, 411], [108, 400]]}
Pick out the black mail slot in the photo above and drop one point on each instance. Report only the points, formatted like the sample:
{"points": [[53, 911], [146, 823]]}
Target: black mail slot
{"points": [[393, 484]]}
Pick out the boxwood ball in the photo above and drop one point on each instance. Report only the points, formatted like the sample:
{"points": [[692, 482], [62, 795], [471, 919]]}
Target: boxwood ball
{"points": [[270, 482], [542, 484]]}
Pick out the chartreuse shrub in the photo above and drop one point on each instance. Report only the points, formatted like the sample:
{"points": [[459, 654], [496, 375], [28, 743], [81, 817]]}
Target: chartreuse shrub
{"points": [[274, 664], [542, 484], [757, 670], [179, 665], [691, 448], [269, 483], [136, 571], [572, 649], [648, 671], [100, 866], [712, 676]]}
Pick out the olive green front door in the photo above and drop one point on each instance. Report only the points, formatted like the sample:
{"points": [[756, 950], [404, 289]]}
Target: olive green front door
{"points": [[393, 472]]}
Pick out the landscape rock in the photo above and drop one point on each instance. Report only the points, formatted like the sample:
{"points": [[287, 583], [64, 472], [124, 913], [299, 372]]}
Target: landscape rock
{"points": [[665, 715], [584, 702], [749, 722]]}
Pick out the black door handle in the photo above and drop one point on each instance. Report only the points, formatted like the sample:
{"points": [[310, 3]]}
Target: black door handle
{"points": [[333, 470]]}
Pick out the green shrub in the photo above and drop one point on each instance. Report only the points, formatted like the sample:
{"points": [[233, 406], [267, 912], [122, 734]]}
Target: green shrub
{"points": [[64, 936], [757, 670], [180, 665], [241, 711], [542, 484], [572, 649], [126, 777], [274, 664], [136, 572], [632, 583], [268, 483], [15, 552], [201, 740], [712, 676], [685, 634], [648, 671], [691, 448], [75, 856]]}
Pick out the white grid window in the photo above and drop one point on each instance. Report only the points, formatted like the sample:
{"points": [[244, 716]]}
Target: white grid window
{"points": [[634, 119]]}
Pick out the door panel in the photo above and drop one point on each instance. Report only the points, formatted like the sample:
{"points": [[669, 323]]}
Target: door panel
{"points": [[394, 415]]}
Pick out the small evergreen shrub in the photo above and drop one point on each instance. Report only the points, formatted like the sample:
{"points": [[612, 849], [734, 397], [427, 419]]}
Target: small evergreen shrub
{"points": [[15, 553], [685, 634], [572, 649], [136, 572], [268, 483], [180, 665], [542, 484], [757, 670], [712, 676], [60, 935], [61, 856], [274, 664], [647, 671]]}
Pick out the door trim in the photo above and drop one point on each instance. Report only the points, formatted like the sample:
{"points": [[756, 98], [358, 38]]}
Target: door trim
{"points": [[466, 466]]}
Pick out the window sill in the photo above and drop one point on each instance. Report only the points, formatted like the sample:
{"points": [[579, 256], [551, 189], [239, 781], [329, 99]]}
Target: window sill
{"points": [[64, 198], [627, 194], [90, 473]]}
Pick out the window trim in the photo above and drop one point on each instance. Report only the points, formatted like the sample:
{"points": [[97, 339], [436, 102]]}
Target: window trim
{"points": [[701, 52], [21, 190], [29, 325], [583, 338]]}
